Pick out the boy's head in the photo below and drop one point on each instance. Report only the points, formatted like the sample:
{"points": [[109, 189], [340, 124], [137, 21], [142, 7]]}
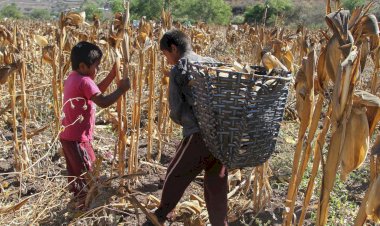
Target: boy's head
{"points": [[85, 54], [174, 44]]}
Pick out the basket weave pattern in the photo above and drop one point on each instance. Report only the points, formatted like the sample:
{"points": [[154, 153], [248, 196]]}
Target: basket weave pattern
{"points": [[239, 114]]}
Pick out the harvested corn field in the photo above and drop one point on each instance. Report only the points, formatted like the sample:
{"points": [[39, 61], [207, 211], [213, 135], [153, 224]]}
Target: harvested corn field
{"points": [[306, 99]]}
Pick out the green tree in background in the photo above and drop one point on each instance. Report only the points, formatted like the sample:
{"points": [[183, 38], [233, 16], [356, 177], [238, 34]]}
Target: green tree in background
{"points": [[255, 13], [117, 6], [149, 8], [351, 4], [40, 14], [92, 9], [274, 8], [211, 11], [11, 11]]}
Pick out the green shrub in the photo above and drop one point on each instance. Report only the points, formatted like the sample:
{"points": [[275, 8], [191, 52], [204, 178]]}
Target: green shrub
{"points": [[40, 14], [11, 11]]}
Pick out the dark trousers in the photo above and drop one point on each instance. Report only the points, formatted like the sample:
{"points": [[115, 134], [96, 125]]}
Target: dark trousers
{"points": [[191, 157], [79, 157]]}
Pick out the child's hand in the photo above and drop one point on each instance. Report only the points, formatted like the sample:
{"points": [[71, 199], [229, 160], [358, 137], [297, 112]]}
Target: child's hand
{"points": [[124, 84]]}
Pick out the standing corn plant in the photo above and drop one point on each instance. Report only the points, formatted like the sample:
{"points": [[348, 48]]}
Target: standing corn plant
{"points": [[119, 42], [14, 61], [348, 117]]}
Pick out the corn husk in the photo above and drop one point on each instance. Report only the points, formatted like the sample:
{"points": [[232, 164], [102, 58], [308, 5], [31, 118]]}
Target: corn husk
{"points": [[288, 58], [192, 207], [356, 141], [305, 89], [367, 26], [372, 103], [199, 199], [271, 62], [41, 40]]}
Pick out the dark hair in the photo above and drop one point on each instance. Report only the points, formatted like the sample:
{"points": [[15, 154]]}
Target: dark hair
{"points": [[177, 38], [85, 52]]}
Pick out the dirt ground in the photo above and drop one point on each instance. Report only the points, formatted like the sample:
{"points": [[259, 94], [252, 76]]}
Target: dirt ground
{"points": [[45, 186]]}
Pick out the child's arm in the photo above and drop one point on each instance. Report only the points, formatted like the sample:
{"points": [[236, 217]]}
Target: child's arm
{"points": [[103, 85], [105, 101]]}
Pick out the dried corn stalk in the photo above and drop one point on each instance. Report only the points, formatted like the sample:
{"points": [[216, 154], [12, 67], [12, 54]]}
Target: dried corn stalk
{"points": [[341, 109], [151, 74], [121, 103], [163, 109], [136, 114], [305, 104], [373, 204]]}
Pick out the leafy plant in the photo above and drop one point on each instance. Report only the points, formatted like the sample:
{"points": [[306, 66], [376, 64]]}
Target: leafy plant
{"points": [[40, 14], [11, 11], [268, 11], [92, 9]]}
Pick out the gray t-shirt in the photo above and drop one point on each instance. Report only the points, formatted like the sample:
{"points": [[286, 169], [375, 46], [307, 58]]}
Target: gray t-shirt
{"points": [[181, 99]]}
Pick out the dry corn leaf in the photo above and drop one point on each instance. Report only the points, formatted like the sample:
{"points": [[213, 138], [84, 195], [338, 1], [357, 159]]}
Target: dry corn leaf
{"points": [[329, 174], [271, 62], [41, 40], [288, 58], [6, 71], [153, 199], [305, 91], [321, 70], [356, 14], [6, 36], [372, 103], [199, 199], [73, 19], [16, 207], [367, 26], [48, 54], [373, 204], [338, 23], [234, 177], [365, 51], [356, 142], [238, 67], [192, 207]]}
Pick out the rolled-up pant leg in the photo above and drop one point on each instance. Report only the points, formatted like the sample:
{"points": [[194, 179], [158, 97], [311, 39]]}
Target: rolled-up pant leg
{"points": [[79, 157]]}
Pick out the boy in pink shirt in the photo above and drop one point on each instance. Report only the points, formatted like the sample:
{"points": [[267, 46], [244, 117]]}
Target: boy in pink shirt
{"points": [[81, 95]]}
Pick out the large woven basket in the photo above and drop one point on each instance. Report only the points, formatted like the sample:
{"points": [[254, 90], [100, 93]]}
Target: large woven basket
{"points": [[239, 113]]}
